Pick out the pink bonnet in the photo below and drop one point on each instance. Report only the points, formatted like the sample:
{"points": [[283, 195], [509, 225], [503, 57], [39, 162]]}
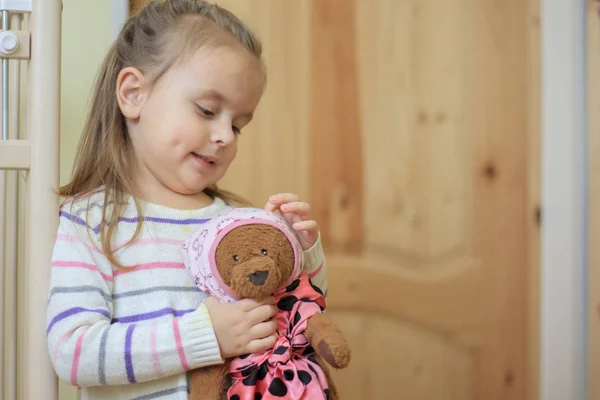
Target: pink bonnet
{"points": [[199, 249]]}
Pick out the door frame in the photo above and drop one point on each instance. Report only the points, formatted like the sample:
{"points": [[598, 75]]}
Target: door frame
{"points": [[564, 236]]}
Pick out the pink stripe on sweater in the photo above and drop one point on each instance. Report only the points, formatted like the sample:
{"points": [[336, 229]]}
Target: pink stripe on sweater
{"points": [[79, 264], [154, 352], [76, 356], [179, 344], [157, 240], [62, 338], [61, 237], [152, 265]]}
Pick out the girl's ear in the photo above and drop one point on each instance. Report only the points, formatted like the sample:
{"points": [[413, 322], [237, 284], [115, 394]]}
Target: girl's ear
{"points": [[130, 92]]}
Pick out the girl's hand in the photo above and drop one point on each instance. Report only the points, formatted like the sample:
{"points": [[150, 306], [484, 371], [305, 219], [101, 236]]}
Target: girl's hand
{"points": [[243, 327], [298, 215]]}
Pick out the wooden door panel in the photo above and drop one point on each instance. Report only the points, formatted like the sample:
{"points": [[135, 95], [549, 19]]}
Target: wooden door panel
{"points": [[414, 128], [403, 122]]}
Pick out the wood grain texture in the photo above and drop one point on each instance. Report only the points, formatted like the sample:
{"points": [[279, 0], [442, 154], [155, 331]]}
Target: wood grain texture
{"points": [[336, 168], [412, 128]]}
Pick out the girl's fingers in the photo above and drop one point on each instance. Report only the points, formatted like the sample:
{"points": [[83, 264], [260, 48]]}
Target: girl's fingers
{"points": [[284, 198], [263, 330], [309, 225], [261, 345], [262, 313], [248, 305], [298, 207]]}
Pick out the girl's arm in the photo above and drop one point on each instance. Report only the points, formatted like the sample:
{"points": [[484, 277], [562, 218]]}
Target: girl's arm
{"points": [[315, 265], [87, 349]]}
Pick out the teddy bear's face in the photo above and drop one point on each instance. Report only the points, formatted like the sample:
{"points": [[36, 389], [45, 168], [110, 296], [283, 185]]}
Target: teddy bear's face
{"points": [[255, 260]]}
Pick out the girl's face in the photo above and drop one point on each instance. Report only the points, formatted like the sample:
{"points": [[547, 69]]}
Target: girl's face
{"points": [[186, 127]]}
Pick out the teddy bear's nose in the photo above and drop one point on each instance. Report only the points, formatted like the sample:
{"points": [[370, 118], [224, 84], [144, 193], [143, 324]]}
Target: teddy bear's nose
{"points": [[259, 277]]}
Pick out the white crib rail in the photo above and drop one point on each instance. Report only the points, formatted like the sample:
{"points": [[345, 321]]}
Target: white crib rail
{"points": [[35, 151]]}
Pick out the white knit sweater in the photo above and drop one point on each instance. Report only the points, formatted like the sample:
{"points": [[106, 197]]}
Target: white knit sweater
{"points": [[132, 333]]}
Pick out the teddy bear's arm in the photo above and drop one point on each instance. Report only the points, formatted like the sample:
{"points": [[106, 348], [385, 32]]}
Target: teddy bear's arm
{"points": [[328, 341], [208, 383]]}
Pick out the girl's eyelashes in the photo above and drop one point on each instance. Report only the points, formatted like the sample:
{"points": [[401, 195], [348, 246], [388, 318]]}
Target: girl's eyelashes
{"points": [[208, 113]]}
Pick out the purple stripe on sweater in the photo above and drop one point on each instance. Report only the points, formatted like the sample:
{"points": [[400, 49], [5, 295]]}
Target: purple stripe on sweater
{"points": [[151, 315], [72, 218], [72, 311], [189, 221], [128, 361]]}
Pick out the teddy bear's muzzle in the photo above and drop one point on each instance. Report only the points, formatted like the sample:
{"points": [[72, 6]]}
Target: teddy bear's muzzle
{"points": [[255, 278], [258, 278]]}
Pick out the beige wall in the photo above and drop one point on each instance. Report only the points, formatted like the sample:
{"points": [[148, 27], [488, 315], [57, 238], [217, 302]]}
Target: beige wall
{"points": [[86, 37]]}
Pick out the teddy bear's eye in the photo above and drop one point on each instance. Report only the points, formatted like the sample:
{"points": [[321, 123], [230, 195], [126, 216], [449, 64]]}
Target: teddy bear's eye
{"points": [[264, 252], [236, 258]]}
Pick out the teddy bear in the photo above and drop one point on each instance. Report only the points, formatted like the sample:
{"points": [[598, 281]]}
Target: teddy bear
{"points": [[253, 253]]}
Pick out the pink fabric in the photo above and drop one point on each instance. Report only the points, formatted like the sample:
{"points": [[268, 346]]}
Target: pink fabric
{"points": [[288, 370], [199, 250]]}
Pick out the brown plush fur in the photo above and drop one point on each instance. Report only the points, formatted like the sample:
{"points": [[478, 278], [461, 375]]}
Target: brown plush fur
{"points": [[255, 261]]}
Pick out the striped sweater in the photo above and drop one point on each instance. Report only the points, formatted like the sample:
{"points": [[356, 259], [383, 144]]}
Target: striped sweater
{"points": [[132, 333]]}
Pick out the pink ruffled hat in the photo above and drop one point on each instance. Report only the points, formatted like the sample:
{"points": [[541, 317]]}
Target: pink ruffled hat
{"points": [[200, 248]]}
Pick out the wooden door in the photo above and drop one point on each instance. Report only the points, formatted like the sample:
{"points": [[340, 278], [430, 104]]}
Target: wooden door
{"points": [[405, 124]]}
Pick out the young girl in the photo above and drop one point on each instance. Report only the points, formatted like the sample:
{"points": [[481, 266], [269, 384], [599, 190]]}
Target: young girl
{"points": [[125, 320]]}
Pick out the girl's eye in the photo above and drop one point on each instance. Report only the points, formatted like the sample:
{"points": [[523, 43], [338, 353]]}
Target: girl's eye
{"points": [[236, 258], [206, 112], [264, 252], [236, 130]]}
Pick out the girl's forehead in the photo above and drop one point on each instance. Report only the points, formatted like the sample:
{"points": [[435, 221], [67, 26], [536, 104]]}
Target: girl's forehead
{"points": [[224, 73]]}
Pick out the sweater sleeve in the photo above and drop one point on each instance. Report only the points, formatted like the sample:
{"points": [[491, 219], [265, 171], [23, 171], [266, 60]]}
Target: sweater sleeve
{"points": [[87, 348], [315, 265]]}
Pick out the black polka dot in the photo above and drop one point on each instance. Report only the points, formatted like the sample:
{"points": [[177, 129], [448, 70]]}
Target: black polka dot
{"points": [[316, 288], [289, 374], [281, 350], [312, 369], [278, 388], [308, 350], [293, 286], [287, 303], [326, 391], [262, 372], [234, 397], [243, 356], [297, 318], [250, 380], [258, 396], [304, 377], [249, 371]]}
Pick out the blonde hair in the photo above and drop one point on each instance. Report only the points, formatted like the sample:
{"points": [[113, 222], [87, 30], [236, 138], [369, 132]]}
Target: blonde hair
{"points": [[159, 36]]}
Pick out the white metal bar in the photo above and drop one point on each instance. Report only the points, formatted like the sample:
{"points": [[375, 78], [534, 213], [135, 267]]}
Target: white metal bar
{"points": [[11, 245], [15, 154], [16, 5], [39, 380], [3, 230], [563, 235], [5, 83]]}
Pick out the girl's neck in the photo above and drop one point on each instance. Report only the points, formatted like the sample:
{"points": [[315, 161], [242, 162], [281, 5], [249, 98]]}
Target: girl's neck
{"points": [[165, 197]]}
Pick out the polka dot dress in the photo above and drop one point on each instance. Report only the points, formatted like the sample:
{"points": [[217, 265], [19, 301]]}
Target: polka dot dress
{"points": [[289, 370]]}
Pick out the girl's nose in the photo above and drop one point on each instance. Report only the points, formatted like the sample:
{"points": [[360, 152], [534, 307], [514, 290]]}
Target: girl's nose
{"points": [[223, 134]]}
